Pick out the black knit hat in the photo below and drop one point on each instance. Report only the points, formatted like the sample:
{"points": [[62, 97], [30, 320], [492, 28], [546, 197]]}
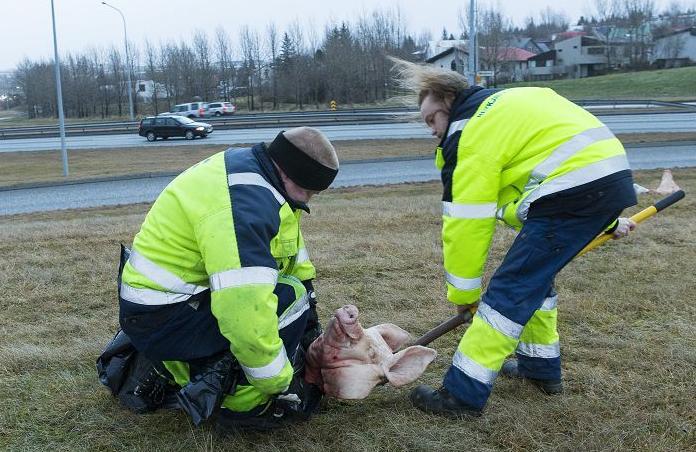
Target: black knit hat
{"points": [[299, 167]]}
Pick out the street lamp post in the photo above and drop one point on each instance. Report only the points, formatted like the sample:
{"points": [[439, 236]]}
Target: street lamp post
{"points": [[59, 95], [473, 45], [125, 40]]}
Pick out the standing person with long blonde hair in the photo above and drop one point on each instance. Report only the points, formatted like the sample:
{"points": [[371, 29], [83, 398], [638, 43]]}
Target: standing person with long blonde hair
{"points": [[541, 164]]}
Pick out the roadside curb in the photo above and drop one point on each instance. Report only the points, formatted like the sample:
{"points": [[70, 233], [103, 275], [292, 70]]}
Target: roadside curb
{"points": [[26, 186]]}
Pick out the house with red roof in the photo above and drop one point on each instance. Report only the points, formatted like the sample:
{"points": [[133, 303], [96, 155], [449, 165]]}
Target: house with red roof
{"points": [[513, 64]]}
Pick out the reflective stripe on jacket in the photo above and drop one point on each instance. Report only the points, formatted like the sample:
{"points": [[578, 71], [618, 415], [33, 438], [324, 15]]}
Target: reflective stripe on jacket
{"points": [[503, 150], [225, 224]]}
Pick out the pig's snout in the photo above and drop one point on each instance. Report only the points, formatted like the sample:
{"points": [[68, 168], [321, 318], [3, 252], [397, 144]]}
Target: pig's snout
{"points": [[347, 315]]}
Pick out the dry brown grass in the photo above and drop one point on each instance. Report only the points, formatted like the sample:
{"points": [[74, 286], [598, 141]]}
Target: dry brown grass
{"points": [[46, 166], [627, 324]]}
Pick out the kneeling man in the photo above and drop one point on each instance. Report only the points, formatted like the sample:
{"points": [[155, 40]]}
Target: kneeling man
{"points": [[218, 287]]}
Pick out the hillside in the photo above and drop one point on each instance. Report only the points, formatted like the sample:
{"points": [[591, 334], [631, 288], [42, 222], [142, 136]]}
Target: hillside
{"points": [[664, 84]]}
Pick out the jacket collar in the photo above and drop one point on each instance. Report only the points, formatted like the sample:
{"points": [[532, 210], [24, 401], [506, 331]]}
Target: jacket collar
{"points": [[271, 174], [459, 107]]}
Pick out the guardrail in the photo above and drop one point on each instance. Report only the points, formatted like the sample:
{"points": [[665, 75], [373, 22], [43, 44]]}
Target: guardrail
{"points": [[290, 119], [637, 103], [246, 121]]}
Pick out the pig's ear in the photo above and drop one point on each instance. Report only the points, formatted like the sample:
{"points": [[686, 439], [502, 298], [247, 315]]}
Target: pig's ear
{"points": [[394, 336], [409, 364]]}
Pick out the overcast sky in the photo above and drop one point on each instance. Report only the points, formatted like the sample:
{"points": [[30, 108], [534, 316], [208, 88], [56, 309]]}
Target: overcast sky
{"points": [[81, 24]]}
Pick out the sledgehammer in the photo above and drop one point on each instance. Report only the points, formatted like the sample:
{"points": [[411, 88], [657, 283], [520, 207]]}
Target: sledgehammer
{"points": [[466, 316]]}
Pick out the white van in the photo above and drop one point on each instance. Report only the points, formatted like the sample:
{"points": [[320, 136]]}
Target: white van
{"points": [[190, 110]]}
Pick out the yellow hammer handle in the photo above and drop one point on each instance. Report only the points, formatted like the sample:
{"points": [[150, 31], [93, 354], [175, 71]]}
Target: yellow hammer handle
{"points": [[638, 218]]}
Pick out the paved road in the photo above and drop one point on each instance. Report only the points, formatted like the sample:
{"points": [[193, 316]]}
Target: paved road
{"points": [[352, 174], [668, 122]]}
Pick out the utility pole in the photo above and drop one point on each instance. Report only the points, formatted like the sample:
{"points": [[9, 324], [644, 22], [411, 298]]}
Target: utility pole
{"points": [[128, 66], [473, 46], [59, 95]]}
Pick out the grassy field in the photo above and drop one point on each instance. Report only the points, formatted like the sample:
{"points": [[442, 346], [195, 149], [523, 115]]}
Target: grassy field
{"points": [[665, 84], [46, 166], [627, 325]]}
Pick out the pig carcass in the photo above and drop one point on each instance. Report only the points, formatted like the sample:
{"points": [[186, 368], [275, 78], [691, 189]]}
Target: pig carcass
{"points": [[347, 361]]}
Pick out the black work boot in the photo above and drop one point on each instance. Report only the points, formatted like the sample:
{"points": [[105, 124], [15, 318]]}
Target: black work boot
{"points": [[441, 402], [147, 387], [511, 369], [260, 419]]}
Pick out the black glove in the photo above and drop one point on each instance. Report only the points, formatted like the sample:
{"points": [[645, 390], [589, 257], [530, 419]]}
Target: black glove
{"points": [[301, 399], [313, 329], [299, 402]]}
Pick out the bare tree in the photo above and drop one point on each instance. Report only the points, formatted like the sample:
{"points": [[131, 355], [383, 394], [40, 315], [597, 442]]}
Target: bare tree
{"points": [[272, 43], [607, 13], [492, 39], [347, 63], [249, 43], [296, 35], [204, 68], [224, 61], [638, 14], [117, 77], [151, 60]]}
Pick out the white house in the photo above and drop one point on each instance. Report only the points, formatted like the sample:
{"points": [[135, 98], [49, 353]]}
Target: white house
{"points": [[455, 58], [145, 89], [675, 49], [437, 47], [581, 56]]}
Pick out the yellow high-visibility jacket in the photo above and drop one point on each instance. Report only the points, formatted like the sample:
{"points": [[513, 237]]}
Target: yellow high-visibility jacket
{"points": [[504, 150]]}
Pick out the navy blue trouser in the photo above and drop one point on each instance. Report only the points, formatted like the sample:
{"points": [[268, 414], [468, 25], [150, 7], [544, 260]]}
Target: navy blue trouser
{"points": [[518, 288], [180, 332]]}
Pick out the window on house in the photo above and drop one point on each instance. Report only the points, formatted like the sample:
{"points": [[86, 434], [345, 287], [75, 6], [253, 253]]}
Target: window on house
{"points": [[141, 87]]}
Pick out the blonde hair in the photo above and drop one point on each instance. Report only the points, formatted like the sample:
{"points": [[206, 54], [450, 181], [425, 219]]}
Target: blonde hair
{"points": [[425, 80], [313, 143]]}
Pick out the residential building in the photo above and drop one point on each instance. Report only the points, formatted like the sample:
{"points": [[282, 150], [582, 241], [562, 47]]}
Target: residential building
{"points": [[512, 65], [530, 45], [8, 83], [435, 48], [145, 89], [455, 58], [675, 49], [581, 56], [543, 66]]}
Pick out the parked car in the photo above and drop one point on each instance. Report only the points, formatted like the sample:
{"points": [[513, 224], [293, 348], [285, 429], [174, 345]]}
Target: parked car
{"points": [[221, 108], [154, 127], [190, 110]]}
